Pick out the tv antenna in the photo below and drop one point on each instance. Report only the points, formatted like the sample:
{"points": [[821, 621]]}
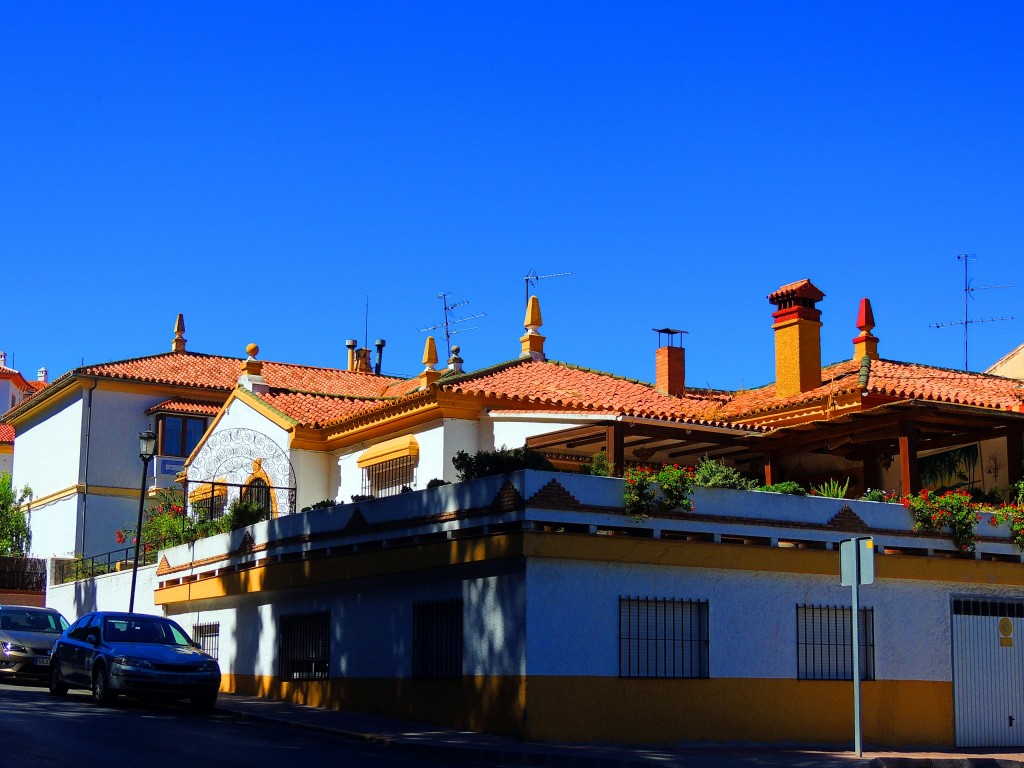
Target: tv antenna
{"points": [[969, 290], [448, 322], [532, 277]]}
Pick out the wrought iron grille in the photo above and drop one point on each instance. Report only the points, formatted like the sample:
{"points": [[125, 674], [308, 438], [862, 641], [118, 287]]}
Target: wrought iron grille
{"points": [[437, 639], [663, 637], [257, 492], [211, 507], [389, 477], [963, 606], [825, 643], [304, 646], [208, 637]]}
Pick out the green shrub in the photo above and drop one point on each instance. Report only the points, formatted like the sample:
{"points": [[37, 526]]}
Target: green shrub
{"points": [[357, 497], [597, 465], [320, 505], [648, 493], [876, 494], [499, 462], [786, 486], [831, 489], [710, 473], [243, 512], [437, 482]]}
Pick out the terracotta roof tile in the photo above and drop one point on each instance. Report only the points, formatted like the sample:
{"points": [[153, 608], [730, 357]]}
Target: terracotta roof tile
{"points": [[570, 387], [186, 406], [314, 410], [905, 381], [213, 372], [6, 433]]}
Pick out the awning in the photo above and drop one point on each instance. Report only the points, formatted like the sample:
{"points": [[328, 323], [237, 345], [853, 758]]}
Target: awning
{"points": [[397, 448]]}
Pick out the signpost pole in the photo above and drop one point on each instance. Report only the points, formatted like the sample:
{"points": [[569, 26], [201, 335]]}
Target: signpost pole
{"points": [[856, 656], [856, 567]]}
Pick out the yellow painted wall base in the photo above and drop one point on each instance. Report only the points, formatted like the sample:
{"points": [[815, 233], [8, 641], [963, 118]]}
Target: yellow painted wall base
{"points": [[481, 703], [896, 713]]}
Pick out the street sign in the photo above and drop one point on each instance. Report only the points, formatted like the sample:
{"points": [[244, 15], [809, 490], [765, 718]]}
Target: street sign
{"points": [[856, 567], [852, 550]]}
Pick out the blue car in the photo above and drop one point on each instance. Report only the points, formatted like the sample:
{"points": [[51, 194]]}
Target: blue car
{"points": [[133, 654]]}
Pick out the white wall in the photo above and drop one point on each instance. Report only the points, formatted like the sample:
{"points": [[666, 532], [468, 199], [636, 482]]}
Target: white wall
{"points": [[54, 527], [573, 617], [49, 450], [109, 592]]}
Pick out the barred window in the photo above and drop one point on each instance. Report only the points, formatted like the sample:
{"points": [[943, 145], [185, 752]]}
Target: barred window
{"points": [[437, 639], [258, 493], [208, 637], [304, 646], [211, 506], [824, 643], [389, 477], [661, 637]]}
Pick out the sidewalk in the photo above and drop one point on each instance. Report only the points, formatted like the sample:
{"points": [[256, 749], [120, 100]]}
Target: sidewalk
{"points": [[444, 743]]}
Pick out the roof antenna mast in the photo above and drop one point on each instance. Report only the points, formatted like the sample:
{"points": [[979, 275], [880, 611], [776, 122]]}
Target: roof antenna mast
{"points": [[969, 289], [532, 277], [448, 322]]}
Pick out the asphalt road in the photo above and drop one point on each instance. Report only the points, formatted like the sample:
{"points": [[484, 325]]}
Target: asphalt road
{"points": [[40, 731]]}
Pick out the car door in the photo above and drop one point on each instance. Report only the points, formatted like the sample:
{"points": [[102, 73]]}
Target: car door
{"points": [[76, 662]]}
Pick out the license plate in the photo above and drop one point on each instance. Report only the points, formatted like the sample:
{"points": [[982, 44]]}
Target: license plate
{"points": [[43, 662], [176, 679]]}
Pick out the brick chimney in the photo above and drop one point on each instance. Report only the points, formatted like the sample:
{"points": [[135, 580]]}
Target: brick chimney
{"points": [[670, 363], [865, 344], [797, 338]]}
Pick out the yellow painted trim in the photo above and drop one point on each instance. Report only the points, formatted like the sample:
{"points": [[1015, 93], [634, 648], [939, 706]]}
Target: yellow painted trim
{"points": [[395, 448], [63, 493], [205, 490], [896, 713], [6, 448]]}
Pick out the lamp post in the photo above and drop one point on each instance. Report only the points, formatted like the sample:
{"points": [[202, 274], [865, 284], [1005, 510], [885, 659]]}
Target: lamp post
{"points": [[147, 449]]}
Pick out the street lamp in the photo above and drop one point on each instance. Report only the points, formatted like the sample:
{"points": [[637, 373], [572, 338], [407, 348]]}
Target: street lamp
{"points": [[147, 449]]}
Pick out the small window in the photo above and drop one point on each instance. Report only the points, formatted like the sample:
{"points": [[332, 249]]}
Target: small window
{"points": [[304, 646], [824, 642], [179, 435], [660, 637], [208, 637], [437, 639], [389, 477]]}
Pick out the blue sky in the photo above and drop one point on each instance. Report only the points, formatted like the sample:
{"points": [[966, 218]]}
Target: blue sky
{"points": [[273, 171]]}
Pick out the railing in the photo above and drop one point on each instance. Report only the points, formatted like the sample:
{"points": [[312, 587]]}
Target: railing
{"points": [[111, 562]]}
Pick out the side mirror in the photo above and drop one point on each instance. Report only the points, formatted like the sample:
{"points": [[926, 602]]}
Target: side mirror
{"points": [[92, 638]]}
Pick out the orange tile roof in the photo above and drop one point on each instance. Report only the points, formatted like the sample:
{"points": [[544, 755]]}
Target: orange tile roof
{"points": [[889, 378], [186, 406], [571, 387], [6, 433], [213, 372], [314, 410]]}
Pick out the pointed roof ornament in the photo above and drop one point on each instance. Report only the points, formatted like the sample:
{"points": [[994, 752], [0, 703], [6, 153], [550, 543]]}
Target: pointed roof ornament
{"points": [[532, 341], [865, 345], [178, 342], [428, 376]]}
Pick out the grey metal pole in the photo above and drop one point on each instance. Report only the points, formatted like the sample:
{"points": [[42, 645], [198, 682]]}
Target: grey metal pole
{"points": [[138, 534], [856, 651]]}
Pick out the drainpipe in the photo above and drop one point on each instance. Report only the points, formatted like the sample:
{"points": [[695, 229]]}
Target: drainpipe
{"points": [[80, 546]]}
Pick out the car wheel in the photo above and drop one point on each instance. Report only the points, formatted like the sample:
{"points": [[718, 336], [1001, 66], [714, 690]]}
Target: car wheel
{"points": [[57, 686], [101, 693], [203, 703]]}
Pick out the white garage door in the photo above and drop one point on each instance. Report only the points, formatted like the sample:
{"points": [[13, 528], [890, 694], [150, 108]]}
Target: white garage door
{"points": [[988, 672]]}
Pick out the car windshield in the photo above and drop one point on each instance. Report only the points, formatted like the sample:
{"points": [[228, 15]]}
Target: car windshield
{"points": [[29, 620], [133, 629]]}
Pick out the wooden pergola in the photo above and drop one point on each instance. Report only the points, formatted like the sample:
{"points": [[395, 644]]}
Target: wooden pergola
{"points": [[898, 431]]}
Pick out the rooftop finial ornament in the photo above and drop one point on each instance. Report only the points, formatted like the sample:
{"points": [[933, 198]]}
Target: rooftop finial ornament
{"points": [[532, 341], [428, 376], [178, 342]]}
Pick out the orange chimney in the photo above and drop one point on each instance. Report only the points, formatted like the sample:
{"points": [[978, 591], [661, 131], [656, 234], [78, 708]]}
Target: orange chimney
{"points": [[866, 343], [670, 363], [797, 338]]}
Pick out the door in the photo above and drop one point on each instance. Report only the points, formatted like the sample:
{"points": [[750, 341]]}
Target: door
{"points": [[988, 672]]}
